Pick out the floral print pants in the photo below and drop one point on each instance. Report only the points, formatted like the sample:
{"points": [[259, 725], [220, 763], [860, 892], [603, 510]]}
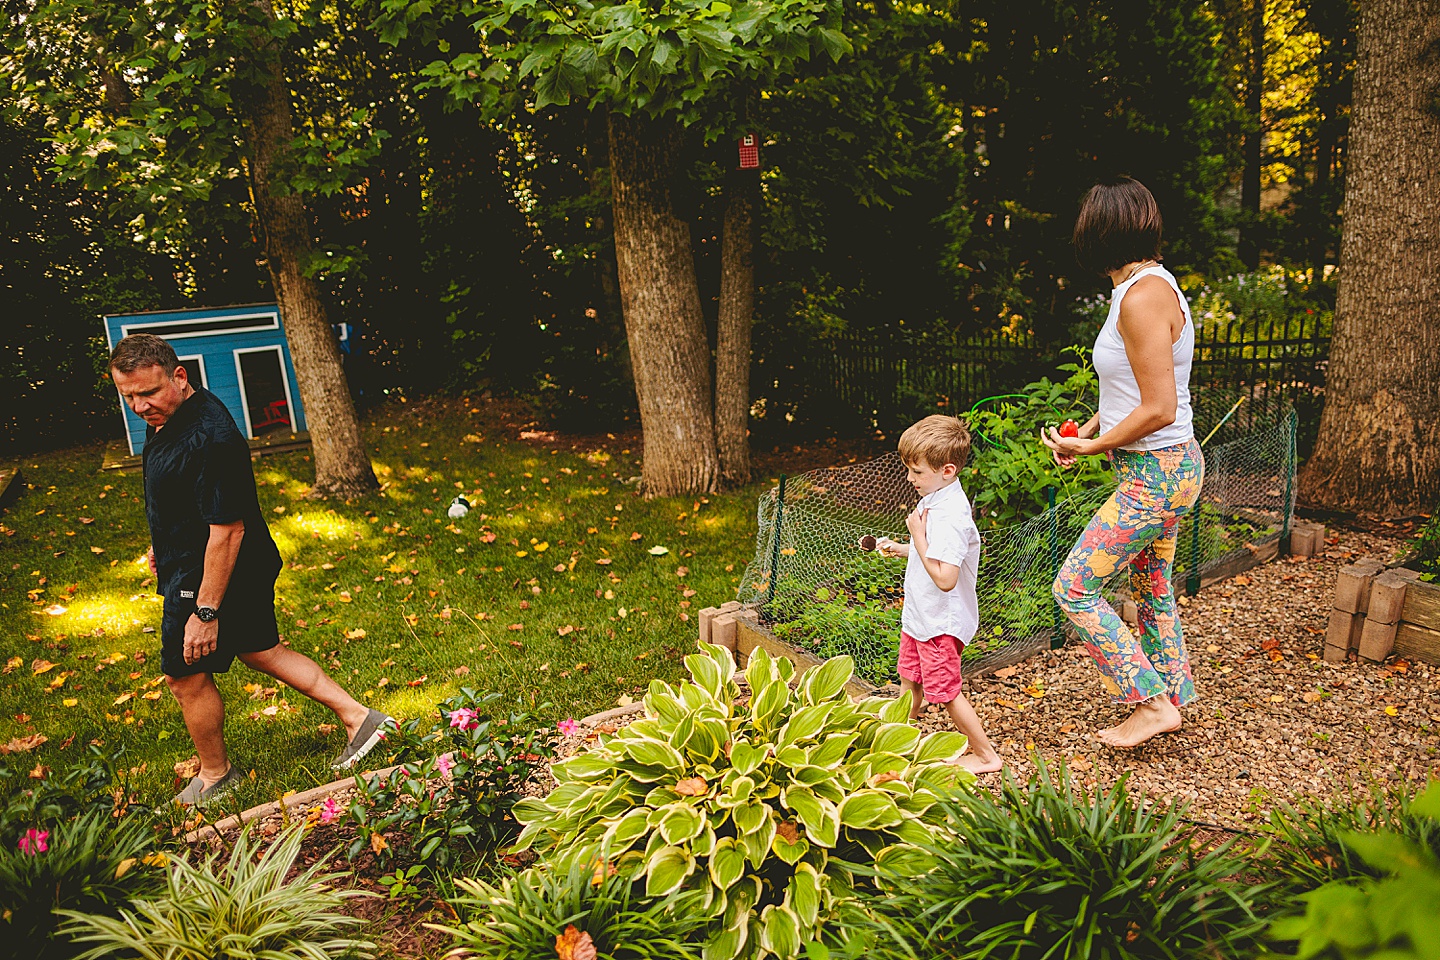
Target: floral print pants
{"points": [[1136, 526]]}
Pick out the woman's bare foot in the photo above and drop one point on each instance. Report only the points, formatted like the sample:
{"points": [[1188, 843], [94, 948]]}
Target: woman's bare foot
{"points": [[1150, 718], [976, 765]]}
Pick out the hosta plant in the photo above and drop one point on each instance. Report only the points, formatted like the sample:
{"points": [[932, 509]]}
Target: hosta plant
{"points": [[762, 810]]}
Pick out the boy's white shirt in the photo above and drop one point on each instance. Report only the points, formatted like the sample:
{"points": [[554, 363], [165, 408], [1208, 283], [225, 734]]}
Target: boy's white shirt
{"points": [[952, 537]]}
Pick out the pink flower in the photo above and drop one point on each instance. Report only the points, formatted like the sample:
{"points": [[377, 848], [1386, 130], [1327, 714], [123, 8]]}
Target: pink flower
{"points": [[464, 719], [445, 764], [329, 811], [567, 727], [35, 841]]}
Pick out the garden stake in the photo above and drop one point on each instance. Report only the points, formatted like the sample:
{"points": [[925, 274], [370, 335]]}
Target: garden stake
{"points": [[1289, 509], [1057, 638], [775, 551]]}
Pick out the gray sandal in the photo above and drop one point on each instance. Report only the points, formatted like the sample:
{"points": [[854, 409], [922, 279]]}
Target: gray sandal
{"points": [[370, 733], [197, 794]]}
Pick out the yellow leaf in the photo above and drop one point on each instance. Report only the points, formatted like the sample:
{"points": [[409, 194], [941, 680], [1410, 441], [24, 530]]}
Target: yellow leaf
{"points": [[542, 546], [156, 859], [123, 867], [152, 695], [41, 666], [378, 843], [1391, 712], [396, 568], [522, 553], [357, 634], [69, 701], [344, 596], [122, 698], [14, 663], [97, 550]]}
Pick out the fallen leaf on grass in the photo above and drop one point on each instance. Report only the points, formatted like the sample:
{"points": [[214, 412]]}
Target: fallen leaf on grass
{"points": [[152, 695], [40, 772], [658, 551], [574, 944], [565, 631], [417, 681], [461, 671], [123, 698], [14, 663], [23, 744], [636, 536], [516, 626], [603, 562], [357, 634], [38, 667], [69, 702], [325, 729]]}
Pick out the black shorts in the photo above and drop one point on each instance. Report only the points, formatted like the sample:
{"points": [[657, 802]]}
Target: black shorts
{"points": [[247, 625]]}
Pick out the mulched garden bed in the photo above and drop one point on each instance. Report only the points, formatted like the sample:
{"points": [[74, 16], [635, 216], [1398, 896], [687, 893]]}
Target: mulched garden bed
{"points": [[1273, 720]]}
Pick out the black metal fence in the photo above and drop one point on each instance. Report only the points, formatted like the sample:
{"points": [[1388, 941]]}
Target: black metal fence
{"points": [[891, 374]]}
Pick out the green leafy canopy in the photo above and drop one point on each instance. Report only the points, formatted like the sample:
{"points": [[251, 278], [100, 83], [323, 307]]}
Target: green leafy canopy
{"points": [[661, 59]]}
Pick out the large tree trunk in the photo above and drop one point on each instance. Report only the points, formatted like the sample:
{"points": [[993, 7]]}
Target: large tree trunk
{"points": [[1379, 444], [341, 465], [737, 310], [661, 302], [1249, 250]]}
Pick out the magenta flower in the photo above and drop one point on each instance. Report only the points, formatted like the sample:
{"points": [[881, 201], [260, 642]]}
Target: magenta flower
{"points": [[567, 726], [329, 810], [35, 841], [445, 764], [464, 719]]}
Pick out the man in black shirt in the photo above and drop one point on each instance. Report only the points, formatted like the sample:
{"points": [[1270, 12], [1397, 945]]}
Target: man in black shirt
{"points": [[214, 561]]}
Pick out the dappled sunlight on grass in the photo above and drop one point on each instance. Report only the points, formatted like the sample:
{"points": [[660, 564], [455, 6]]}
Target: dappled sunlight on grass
{"points": [[115, 613], [325, 524], [423, 701]]}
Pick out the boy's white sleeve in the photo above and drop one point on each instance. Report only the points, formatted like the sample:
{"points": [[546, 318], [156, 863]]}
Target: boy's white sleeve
{"points": [[947, 541]]}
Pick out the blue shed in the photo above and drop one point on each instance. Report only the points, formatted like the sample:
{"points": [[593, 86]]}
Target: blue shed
{"points": [[237, 353]]}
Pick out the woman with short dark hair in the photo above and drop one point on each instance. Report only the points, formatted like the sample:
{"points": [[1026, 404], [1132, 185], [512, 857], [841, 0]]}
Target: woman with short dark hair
{"points": [[1142, 356]]}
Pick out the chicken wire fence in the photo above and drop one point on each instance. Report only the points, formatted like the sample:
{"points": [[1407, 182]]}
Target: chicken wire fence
{"points": [[817, 590]]}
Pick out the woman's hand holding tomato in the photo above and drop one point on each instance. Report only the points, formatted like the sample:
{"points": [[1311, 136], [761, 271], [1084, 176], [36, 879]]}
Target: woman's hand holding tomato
{"points": [[1070, 441]]}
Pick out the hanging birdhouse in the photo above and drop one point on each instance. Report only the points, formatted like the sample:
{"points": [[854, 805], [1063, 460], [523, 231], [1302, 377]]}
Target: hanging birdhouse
{"points": [[749, 152]]}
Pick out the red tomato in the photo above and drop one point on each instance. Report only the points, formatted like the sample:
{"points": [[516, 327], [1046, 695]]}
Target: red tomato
{"points": [[1069, 429]]}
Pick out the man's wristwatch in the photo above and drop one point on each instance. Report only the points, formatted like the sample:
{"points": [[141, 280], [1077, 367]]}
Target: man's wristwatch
{"points": [[207, 614]]}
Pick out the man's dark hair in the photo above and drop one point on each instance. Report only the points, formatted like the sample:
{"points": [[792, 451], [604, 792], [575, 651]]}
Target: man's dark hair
{"points": [[1119, 223], [144, 350]]}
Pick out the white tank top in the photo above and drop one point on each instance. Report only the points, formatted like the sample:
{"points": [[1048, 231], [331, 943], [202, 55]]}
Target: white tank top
{"points": [[1120, 392]]}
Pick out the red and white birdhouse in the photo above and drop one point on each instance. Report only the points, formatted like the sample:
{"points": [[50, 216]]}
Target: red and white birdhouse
{"points": [[749, 152]]}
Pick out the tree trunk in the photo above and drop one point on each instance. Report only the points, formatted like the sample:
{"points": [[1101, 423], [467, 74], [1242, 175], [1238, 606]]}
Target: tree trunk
{"points": [[1249, 251], [1379, 444], [661, 302], [342, 467], [737, 310]]}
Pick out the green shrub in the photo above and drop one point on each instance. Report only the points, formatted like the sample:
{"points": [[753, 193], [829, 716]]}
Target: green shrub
{"points": [[1311, 847], [1390, 915], [1049, 870], [90, 863], [242, 909], [763, 810], [69, 840], [445, 809], [522, 917]]}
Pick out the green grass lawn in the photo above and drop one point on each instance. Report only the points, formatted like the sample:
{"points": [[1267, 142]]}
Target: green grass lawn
{"points": [[546, 592]]}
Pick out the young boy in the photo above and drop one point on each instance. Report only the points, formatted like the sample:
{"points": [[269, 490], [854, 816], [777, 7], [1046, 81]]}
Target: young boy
{"points": [[941, 609]]}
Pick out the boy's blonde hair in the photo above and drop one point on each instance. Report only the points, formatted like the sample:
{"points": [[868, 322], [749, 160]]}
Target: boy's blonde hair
{"points": [[936, 441]]}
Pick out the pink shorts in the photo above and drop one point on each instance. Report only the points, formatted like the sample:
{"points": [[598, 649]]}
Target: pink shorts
{"points": [[934, 664]]}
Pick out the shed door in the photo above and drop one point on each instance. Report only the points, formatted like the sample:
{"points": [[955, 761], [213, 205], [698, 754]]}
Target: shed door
{"points": [[264, 390]]}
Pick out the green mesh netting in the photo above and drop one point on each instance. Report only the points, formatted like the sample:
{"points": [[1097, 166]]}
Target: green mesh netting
{"points": [[827, 596]]}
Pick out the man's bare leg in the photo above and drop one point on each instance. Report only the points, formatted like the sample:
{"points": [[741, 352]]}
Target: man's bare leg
{"points": [[1151, 718], [299, 672], [204, 714], [982, 757]]}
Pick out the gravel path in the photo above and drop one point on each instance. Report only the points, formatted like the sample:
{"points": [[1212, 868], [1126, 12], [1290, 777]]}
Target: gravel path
{"points": [[1273, 720]]}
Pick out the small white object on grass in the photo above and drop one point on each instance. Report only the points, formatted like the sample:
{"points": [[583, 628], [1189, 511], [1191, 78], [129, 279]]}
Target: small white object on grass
{"points": [[458, 508]]}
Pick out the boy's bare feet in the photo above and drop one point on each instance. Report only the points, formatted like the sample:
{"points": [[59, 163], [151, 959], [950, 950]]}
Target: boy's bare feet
{"points": [[976, 765], [1151, 718]]}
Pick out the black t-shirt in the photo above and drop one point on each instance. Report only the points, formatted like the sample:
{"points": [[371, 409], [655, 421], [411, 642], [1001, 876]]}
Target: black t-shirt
{"points": [[197, 472]]}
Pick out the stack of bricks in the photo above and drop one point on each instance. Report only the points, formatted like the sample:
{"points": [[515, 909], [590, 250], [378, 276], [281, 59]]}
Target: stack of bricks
{"points": [[1306, 538], [1352, 601], [719, 625], [1382, 619]]}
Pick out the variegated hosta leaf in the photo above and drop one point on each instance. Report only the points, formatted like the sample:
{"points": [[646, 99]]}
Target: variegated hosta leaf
{"points": [[703, 795]]}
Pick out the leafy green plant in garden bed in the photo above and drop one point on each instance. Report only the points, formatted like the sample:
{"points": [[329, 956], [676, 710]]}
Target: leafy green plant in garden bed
{"points": [[532, 914], [1310, 835], [1389, 913], [763, 810], [65, 844], [458, 798], [242, 909], [1011, 470], [1050, 870]]}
